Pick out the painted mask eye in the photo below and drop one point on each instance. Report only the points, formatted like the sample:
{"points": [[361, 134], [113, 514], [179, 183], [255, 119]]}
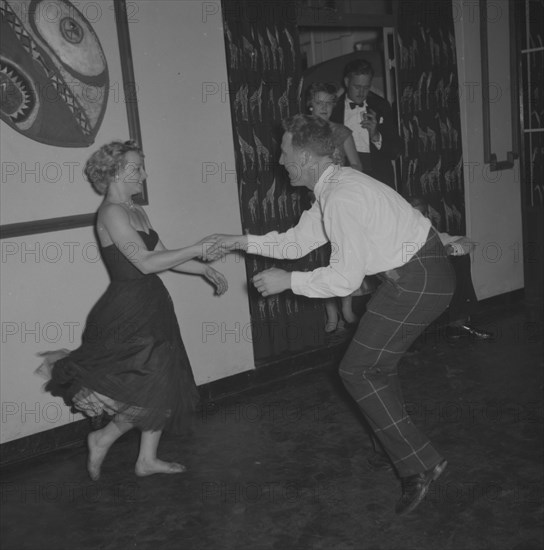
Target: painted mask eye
{"points": [[70, 37]]}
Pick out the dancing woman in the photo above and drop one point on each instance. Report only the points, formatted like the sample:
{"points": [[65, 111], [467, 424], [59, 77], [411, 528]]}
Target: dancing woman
{"points": [[132, 363]]}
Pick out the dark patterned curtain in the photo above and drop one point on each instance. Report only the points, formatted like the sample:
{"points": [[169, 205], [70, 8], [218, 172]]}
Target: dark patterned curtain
{"points": [[263, 64], [432, 161]]}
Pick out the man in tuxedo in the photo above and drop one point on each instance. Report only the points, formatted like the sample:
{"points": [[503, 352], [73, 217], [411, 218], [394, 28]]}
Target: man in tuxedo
{"points": [[371, 120]]}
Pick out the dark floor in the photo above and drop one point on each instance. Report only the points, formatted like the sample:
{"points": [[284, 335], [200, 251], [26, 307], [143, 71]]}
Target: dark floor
{"points": [[285, 467]]}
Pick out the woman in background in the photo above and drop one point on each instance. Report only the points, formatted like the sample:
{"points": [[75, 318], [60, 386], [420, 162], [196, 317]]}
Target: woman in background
{"points": [[320, 99], [132, 363]]}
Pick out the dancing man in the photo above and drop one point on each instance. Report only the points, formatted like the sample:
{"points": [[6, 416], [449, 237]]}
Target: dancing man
{"points": [[373, 230]]}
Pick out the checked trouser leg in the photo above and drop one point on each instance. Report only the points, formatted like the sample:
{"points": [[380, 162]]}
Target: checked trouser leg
{"points": [[409, 299]]}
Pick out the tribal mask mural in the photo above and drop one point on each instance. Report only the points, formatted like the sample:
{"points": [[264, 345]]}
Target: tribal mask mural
{"points": [[53, 72]]}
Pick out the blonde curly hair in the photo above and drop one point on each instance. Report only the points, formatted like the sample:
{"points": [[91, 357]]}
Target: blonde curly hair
{"points": [[104, 164]]}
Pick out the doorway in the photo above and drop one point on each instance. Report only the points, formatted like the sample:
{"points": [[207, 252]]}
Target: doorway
{"points": [[325, 52]]}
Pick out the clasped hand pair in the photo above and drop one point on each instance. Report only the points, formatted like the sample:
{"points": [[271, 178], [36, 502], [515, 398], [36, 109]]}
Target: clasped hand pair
{"points": [[268, 282], [216, 246]]}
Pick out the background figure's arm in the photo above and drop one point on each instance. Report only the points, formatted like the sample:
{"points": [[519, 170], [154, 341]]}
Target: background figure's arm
{"points": [[351, 154], [456, 245], [461, 246]]}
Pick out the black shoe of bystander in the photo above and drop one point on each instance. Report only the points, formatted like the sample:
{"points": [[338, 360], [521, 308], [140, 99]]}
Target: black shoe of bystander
{"points": [[455, 332]]}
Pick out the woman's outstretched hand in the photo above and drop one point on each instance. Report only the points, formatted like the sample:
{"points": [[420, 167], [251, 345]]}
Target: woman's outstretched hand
{"points": [[217, 279]]}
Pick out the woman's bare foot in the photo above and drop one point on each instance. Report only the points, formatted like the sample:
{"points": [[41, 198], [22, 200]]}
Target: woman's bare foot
{"points": [[347, 310], [156, 466], [349, 316], [331, 325], [97, 453]]}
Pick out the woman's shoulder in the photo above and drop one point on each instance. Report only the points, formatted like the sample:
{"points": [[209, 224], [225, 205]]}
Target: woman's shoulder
{"points": [[108, 209], [111, 213]]}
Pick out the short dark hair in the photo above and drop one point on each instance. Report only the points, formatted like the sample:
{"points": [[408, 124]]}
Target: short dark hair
{"points": [[312, 133], [316, 87], [357, 67]]}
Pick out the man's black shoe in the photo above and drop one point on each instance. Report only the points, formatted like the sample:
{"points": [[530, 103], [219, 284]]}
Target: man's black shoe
{"points": [[454, 332], [414, 488]]}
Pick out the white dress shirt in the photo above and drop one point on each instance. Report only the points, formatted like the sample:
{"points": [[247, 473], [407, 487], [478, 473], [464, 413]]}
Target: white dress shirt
{"points": [[370, 226]]}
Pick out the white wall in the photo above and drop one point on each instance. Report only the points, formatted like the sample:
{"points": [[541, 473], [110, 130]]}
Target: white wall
{"points": [[180, 66], [493, 199], [178, 50]]}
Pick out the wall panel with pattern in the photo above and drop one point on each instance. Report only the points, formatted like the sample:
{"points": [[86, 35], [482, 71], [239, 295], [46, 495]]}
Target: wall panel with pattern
{"points": [[263, 64], [430, 124]]}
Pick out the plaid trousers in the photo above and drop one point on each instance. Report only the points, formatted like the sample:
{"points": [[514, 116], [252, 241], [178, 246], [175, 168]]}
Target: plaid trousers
{"points": [[407, 301]]}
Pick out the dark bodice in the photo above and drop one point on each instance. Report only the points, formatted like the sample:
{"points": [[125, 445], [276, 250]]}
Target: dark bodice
{"points": [[131, 361], [118, 266]]}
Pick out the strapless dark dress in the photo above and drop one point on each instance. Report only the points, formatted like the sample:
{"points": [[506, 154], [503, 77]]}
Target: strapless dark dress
{"points": [[132, 361]]}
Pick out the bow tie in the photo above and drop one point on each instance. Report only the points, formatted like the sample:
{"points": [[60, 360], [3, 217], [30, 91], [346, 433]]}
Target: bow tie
{"points": [[353, 105]]}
